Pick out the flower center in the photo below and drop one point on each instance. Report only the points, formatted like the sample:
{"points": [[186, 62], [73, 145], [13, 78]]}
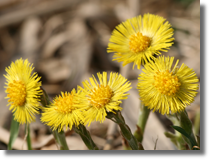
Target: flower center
{"points": [[100, 96], [17, 93], [64, 104], [138, 42], [166, 83]]}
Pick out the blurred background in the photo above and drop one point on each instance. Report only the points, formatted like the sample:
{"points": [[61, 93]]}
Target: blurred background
{"points": [[66, 40]]}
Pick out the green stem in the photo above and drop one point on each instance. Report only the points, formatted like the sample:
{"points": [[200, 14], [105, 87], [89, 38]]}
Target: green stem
{"points": [[197, 123], [14, 130], [125, 130], [85, 135], [143, 117], [28, 136], [60, 140]]}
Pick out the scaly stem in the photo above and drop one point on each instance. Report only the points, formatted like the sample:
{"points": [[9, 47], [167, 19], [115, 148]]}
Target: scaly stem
{"points": [[28, 136], [125, 130], [14, 130], [143, 116], [85, 135], [197, 123], [60, 140]]}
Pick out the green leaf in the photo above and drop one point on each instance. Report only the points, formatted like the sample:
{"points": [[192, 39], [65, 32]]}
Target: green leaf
{"points": [[180, 130], [183, 132], [14, 130]]}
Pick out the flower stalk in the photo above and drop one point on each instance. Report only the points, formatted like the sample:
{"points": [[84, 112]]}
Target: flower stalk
{"points": [[60, 139], [143, 117], [28, 138], [125, 130], [197, 123], [85, 135], [14, 130]]}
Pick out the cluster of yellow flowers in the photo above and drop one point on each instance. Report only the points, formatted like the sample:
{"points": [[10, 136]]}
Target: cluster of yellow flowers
{"points": [[161, 86]]}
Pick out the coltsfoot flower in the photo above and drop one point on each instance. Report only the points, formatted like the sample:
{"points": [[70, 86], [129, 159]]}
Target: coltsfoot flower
{"points": [[104, 96], [64, 111], [138, 39], [166, 88], [23, 91]]}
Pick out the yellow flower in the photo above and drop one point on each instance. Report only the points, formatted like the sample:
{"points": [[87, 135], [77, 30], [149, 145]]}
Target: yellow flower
{"points": [[64, 111], [104, 96], [166, 89], [23, 91], [138, 39]]}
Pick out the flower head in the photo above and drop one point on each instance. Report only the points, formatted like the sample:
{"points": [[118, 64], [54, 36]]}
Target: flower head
{"points": [[23, 91], [64, 111], [104, 96], [166, 89], [138, 39]]}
